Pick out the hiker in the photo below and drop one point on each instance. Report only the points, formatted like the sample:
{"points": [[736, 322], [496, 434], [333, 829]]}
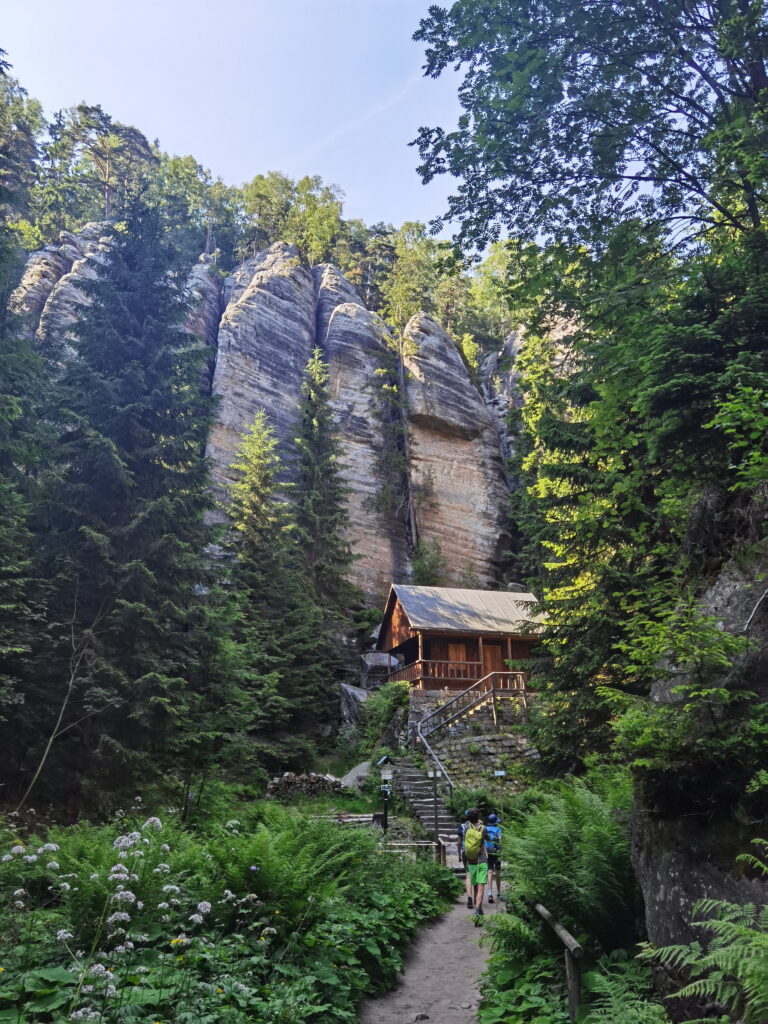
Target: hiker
{"points": [[463, 825], [476, 858], [493, 846]]}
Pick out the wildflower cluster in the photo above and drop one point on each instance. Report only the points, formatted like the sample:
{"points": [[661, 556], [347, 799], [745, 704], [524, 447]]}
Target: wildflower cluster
{"points": [[155, 924]]}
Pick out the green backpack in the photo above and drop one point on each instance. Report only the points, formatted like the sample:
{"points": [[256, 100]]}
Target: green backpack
{"points": [[473, 843]]}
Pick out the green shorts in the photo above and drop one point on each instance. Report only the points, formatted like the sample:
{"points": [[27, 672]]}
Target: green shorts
{"points": [[478, 873]]}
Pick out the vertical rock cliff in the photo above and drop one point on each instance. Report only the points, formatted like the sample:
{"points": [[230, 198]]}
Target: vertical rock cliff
{"points": [[260, 326], [457, 473]]}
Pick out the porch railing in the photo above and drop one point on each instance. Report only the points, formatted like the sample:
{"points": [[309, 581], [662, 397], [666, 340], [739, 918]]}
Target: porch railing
{"points": [[439, 671]]}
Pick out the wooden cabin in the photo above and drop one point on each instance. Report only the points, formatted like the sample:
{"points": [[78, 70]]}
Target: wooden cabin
{"points": [[441, 638]]}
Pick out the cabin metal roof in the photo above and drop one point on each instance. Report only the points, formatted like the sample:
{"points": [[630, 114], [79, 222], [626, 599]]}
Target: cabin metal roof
{"points": [[470, 611]]}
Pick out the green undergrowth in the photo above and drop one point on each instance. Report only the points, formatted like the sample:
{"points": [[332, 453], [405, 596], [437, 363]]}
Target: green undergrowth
{"points": [[566, 846], [270, 915]]}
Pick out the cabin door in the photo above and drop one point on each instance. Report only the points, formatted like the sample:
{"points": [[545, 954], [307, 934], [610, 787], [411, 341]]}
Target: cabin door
{"points": [[492, 659]]}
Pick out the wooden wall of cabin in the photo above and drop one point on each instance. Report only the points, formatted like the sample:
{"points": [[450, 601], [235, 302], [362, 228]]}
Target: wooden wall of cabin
{"points": [[398, 628], [444, 648]]}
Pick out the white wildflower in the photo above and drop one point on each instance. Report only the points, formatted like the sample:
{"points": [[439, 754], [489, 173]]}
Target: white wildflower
{"points": [[111, 990], [125, 947], [52, 865], [163, 905], [143, 937], [31, 858], [141, 970], [18, 904], [87, 1013], [63, 935], [17, 849], [174, 902], [161, 869], [94, 877], [165, 918], [20, 892], [122, 854], [119, 915], [165, 848], [139, 905], [170, 888], [120, 868], [197, 918], [204, 908], [124, 896], [98, 970], [87, 988], [154, 823], [65, 886], [6, 857], [49, 848], [137, 853]]}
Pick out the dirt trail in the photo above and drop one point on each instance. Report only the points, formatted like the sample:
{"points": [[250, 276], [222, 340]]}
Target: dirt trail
{"points": [[441, 983]]}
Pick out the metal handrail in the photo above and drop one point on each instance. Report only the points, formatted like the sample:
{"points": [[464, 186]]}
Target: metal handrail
{"points": [[436, 760]]}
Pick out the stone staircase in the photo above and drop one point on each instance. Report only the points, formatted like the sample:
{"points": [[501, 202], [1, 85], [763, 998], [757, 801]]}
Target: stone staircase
{"points": [[413, 786]]}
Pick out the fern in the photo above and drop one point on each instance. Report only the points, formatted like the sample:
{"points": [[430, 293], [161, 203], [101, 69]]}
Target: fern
{"points": [[570, 851], [732, 968], [623, 992]]}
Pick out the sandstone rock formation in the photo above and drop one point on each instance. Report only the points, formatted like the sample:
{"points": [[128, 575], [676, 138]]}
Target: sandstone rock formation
{"points": [[679, 861], [260, 326], [500, 389], [50, 296], [266, 336], [457, 477], [353, 342]]}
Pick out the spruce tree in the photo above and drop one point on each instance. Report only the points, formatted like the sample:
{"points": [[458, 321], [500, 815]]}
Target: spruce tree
{"points": [[285, 649], [121, 533], [321, 513]]}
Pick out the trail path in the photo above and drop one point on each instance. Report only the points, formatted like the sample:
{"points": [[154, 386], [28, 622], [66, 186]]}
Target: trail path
{"points": [[442, 975]]}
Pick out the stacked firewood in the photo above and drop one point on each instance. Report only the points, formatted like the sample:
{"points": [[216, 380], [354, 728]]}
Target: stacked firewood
{"points": [[289, 785]]}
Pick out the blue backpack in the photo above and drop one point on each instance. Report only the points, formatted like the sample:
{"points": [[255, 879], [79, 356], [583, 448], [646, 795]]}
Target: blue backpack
{"points": [[493, 841]]}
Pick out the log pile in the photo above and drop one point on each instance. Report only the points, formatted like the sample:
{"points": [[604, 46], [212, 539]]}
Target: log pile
{"points": [[289, 785]]}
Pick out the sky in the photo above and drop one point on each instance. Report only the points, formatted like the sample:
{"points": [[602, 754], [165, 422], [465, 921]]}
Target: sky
{"points": [[328, 87]]}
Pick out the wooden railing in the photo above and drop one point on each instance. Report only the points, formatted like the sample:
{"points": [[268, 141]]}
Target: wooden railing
{"points": [[505, 684], [449, 672], [453, 670]]}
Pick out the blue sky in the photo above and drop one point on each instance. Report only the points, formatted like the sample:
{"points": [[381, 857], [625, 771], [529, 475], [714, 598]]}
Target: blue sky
{"points": [[329, 87]]}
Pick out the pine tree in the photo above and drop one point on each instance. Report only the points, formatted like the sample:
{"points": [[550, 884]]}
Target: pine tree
{"points": [[321, 512], [120, 530]]}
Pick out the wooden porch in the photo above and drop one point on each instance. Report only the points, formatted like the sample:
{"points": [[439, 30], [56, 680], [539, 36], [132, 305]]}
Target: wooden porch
{"points": [[453, 675]]}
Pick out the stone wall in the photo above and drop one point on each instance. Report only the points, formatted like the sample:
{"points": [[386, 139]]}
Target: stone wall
{"points": [[472, 760]]}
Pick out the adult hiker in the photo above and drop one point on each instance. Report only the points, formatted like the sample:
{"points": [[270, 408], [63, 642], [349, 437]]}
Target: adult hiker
{"points": [[463, 826], [477, 858], [493, 847]]}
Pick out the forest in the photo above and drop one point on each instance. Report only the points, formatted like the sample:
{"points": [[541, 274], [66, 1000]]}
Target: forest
{"points": [[611, 175]]}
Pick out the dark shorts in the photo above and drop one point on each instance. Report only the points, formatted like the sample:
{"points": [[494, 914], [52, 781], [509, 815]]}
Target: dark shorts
{"points": [[494, 862]]}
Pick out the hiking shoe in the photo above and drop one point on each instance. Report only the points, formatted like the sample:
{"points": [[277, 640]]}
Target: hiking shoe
{"points": [[470, 903], [490, 899], [479, 912]]}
